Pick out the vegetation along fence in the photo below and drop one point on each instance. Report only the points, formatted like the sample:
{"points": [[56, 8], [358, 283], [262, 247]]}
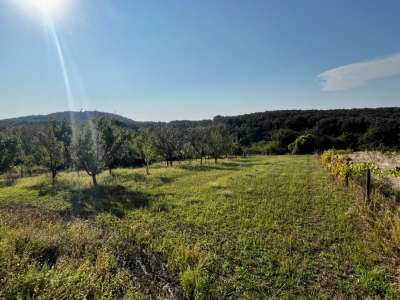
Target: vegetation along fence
{"points": [[341, 165]]}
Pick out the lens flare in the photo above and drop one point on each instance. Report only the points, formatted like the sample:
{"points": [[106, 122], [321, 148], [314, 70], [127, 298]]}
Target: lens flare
{"points": [[64, 70], [50, 8], [48, 12]]}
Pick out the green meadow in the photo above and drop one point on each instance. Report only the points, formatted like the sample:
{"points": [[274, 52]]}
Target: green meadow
{"points": [[249, 228]]}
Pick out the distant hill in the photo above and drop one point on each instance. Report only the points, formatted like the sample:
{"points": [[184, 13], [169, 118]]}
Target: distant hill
{"points": [[372, 126], [279, 118], [82, 117], [78, 117]]}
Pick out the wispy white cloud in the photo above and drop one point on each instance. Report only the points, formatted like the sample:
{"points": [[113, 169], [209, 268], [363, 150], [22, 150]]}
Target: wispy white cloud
{"points": [[357, 74]]}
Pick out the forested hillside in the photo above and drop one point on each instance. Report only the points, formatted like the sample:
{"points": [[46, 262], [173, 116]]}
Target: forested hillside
{"points": [[79, 118], [258, 126], [271, 132]]}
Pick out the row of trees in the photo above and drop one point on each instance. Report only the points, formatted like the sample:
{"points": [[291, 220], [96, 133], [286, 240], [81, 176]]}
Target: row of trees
{"points": [[286, 140], [107, 144], [356, 129]]}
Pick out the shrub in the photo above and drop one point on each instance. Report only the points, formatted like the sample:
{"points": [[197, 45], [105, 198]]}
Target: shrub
{"points": [[304, 144], [267, 148], [282, 138]]}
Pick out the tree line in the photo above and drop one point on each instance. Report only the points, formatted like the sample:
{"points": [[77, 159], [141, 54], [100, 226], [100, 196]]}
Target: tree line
{"points": [[308, 131], [105, 144], [272, 132]]}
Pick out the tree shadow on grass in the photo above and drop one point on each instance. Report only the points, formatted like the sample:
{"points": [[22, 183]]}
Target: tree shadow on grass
{"points": [[116, 200], [7, 182], [231, 165], [164, 179], [240, 164], [45, 188], [135, 177], [205, 168], [89, 201]]}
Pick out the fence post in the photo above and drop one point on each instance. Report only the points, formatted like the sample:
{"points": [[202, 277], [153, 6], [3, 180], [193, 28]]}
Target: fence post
{"points": [[368, 185], [346, 177]]}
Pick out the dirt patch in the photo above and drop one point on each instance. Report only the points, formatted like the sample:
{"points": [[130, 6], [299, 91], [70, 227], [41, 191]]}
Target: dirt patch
{"points": [[148, 269]]}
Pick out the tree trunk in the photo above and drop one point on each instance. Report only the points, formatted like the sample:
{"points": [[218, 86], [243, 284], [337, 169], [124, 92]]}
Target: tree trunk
{"points": [[53, 176], [94, 179], [147, 169], [216, 160], [347, 175], [22, 172], [368, 186], [110, 171], [201, 160]]}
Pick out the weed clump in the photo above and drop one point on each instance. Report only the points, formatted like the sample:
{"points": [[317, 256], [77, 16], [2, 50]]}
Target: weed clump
{"points": [[225, 193]]}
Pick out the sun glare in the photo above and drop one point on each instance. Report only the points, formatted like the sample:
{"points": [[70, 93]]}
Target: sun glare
{"points": [[44, 8]]}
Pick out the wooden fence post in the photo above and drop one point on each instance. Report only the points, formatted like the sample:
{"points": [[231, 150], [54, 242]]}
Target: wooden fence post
{"points": [[346, 177], [368, 185]]}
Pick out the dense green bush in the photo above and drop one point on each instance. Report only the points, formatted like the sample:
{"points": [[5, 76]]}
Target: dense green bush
{"points": [[303, 144], [8, 152]]}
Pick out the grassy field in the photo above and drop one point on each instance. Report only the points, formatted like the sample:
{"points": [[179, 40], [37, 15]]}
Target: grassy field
{"points": [[246, 228]]}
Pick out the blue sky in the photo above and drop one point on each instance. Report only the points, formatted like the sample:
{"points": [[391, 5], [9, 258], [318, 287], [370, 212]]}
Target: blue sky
{"points": [[165, 60]]}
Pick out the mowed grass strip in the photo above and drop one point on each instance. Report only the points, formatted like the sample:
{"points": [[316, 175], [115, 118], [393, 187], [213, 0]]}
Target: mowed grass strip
{"points": [[244, 228]]}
